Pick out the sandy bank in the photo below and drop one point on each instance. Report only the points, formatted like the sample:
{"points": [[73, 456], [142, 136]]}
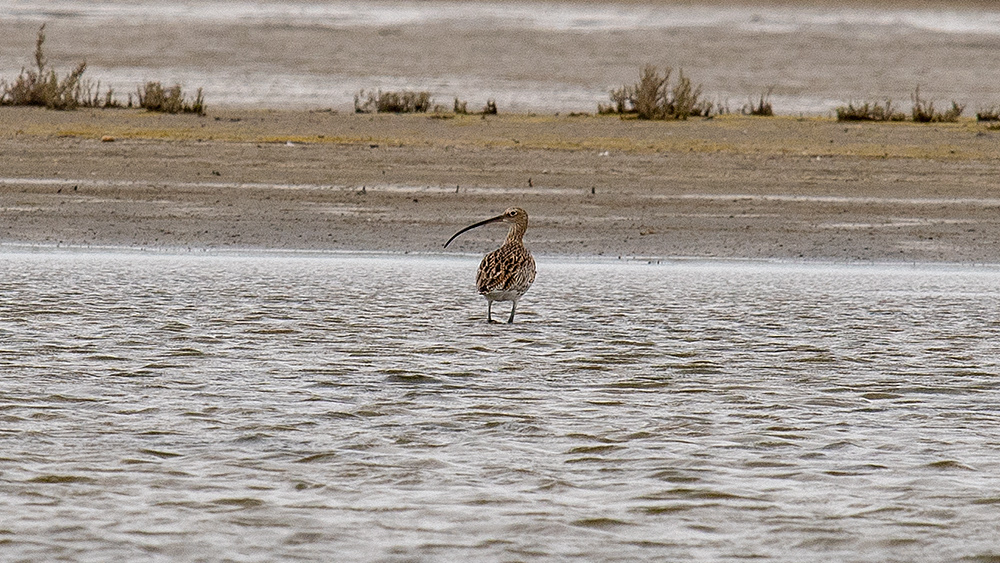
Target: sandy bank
{"points": [[731, 187]]}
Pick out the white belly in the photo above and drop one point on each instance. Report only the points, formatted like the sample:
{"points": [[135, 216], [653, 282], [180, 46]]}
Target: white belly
{"points": [[508, 295]]}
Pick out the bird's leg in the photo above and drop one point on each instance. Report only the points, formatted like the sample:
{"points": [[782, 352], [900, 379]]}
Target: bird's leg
{"points": [[489, 312], [513, 307]]}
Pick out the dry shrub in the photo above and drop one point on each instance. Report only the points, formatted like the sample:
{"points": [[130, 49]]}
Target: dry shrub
{"points": [[921, 112], [924, 112], [392, 102], [649, 95], [41, 86], [762, 108], [869, 111], [653, 97], [988, 114], [154, 97], [686, 101], [461, 107]]}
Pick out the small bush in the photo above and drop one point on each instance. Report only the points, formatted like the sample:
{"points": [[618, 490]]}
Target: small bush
{"points": [[154, 97], [869, 111], [88, 95], [392, 102], [41, 86], [649, 95], [620, 102], [988, 114], [761, 108], [461, 107], [923, 111], [653, 98], [686, 101]]}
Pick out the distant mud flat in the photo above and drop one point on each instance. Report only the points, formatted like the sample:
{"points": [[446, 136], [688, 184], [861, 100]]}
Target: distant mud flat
{"points": [[730, 187], [529, 57]]}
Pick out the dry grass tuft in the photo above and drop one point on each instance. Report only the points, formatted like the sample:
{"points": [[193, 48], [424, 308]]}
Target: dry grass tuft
{"points": [[653, 97], [392, 102]]}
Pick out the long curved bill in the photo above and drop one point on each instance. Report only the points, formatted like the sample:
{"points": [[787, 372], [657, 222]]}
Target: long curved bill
{"points": [[470, 227]]}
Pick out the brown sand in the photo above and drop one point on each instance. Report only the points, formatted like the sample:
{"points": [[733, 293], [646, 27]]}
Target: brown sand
{"points": [[731, 187]]}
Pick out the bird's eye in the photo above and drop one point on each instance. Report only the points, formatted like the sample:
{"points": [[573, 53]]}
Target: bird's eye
{"points": [[511, 213]]}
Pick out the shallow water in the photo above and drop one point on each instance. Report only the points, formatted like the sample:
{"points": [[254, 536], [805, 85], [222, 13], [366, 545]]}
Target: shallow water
{"points": [[267, 407], [528, 56]]}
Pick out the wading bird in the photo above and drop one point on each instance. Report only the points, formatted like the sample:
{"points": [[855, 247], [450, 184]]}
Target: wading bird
{"points": [[507, 272]]}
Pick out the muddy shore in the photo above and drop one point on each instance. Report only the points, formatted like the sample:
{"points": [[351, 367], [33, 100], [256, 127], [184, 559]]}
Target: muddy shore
{"points": [[730, 187]]}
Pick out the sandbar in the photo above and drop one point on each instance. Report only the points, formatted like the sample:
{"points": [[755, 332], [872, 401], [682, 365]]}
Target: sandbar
{"points": [[732, 187]]}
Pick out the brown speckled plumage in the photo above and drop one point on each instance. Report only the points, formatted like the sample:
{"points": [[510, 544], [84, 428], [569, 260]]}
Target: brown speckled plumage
{"points": [[506, 273]]}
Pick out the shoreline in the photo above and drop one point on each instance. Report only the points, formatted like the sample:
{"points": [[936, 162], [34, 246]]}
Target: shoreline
{"points": [[475, 257], [728, 133], [730, 188]]}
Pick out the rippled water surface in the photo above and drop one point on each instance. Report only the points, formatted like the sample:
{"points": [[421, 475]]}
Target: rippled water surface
{"points": [[329, 407]]}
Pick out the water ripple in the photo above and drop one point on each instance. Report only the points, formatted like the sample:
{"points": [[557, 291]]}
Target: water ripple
{"points": [[280, 407]]}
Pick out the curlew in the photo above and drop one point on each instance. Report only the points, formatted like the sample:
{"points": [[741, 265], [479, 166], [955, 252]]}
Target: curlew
{"points": [[506, 273]]}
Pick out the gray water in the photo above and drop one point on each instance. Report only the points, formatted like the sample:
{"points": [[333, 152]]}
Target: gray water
{"points": [[538, 55], [267, 407]]}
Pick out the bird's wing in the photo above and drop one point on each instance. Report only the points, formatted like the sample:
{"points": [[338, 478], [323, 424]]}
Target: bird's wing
{"points": [[506, 269]]}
